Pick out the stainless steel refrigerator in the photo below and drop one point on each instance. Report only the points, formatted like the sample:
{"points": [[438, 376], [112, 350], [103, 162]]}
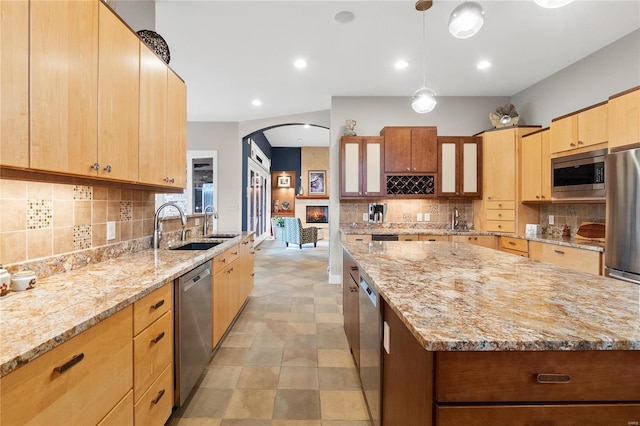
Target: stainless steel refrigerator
{"points": [[622, 180]]}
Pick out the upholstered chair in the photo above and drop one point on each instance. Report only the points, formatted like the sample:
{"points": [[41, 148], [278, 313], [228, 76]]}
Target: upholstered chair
{"points": [[294, 233]]}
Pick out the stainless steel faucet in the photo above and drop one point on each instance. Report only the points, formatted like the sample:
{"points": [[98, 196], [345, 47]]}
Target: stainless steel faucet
{"points": [[157, 233], [455, 219], [206, 221]]}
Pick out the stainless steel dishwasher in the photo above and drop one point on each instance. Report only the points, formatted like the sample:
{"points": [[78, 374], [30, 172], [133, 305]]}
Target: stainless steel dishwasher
{"points": [[192, 328], [370, 348]]}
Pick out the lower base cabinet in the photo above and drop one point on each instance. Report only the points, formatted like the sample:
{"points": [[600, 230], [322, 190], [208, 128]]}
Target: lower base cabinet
{"points": [[122, 414], [154, 407], [488, 241], [575, 258]]}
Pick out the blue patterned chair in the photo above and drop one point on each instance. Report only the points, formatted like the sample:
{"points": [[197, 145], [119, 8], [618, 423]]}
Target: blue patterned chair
{"points": [[294, 233]]}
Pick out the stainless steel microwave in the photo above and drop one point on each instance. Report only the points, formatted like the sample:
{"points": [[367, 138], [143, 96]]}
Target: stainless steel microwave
{"points": [[579, 175]]}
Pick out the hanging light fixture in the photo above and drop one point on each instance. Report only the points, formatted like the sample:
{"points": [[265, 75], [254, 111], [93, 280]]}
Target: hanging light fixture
{"points": [[466, 20], [424, 100], [552, 4]]}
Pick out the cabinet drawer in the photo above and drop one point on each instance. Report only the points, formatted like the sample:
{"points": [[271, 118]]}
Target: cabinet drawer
{"points": [[500, 205], [478, 240], [548, 415], [357, 238], [408, 237], [154, 408], [152, 352], [544, 376], [97, 373], [514, 244], [501, 214], [151, 307], [122, 414], [582, 260], [224, 259], [501, 226], [434, 238], [516, 252]]}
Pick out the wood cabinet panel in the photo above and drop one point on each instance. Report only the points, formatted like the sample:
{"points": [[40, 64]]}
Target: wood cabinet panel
{"points": [[14, 75], [582, 260], [514, 244], [501, 226], [424, 149], [154, 407], [501, 205], [548, 415], [84, 392], [221, 313], [361, 174], [397, 149], [460, 160], [433, 238], [64, 81], [176, 148], [410, 149], [121, 414], [152, 353], [535, 167], [151, 307], [118, 98], [581, 130], [537, 376], [488, 241], [624, 119], [357, 238], [351, 311], [501, 214], [499, 165]]}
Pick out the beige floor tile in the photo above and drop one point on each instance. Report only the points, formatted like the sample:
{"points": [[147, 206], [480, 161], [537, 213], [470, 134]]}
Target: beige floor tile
{"points": [[238, 340], [299, 357], [343, 405], [301, 316], [221, 377], [206, 403], [245, 422], [302, 328], [325, 300], [273, 327], [197, 421], [327, 308], [276, 316], [328, 328], [251, 404], [332, 341], [253, 377], [304, 308], [346, 423], [279, 307], [230, 356], [296, 423], [264, 357], [297, 404], [335, 358], [333, 318], [308, 341], [338, 378], [269, 341], [298, 378]]}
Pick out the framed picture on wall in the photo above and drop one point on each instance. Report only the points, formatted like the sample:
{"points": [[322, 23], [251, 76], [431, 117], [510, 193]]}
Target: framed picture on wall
{"points": [[317, 183], [284, 181]]}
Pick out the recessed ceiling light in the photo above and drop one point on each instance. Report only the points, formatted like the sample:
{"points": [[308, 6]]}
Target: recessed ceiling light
{"points": [[552, 4], [306, 126], [300, 63], [401, 64], [344, 17], [256, 102], [483, 65]]}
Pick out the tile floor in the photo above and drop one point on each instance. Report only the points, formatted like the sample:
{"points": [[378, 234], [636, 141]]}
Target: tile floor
{"points": [[285, 361]]}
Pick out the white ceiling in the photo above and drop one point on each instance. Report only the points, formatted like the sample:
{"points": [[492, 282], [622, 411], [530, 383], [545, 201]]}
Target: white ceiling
{"points": [[230, 52]]}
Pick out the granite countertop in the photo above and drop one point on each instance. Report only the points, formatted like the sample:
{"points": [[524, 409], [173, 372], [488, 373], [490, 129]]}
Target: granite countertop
{"points": [[561, 241], [461, 297], [62, 306]]}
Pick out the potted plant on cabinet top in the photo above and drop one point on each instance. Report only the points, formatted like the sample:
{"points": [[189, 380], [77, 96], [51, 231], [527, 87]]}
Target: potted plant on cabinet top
{"points": [[277, 225]]}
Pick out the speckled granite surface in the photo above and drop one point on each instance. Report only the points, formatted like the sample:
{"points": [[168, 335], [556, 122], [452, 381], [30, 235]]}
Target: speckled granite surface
{"points": [[62, 306], [461, 297], [562, 241]]}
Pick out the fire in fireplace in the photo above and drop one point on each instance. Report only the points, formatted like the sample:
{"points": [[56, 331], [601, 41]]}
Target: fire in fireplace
{"points": [[317, 214]]}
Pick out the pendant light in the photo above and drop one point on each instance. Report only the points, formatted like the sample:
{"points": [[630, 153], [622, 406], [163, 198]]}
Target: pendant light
{"points": [[424, 100], [552, 4], [466, 20]]}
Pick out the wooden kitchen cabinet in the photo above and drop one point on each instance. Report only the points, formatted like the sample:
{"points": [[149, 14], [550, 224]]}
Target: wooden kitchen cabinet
{"points": [[488, 241], [63, 86], [516, 246], [247, 257], [118, 103], [154, 407], [14, 72], [357, 237], [121, 414], [460, 165], [410, 149], [624, 118], [176, 148], [361, 160], [500, 165], [584, 129], [351, 308], [535, 167], [228, 293], [78, 382], [570, 257], [433, 238]]}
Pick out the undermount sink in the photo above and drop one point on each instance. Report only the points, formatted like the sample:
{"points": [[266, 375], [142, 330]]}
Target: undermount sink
{"points": [[197, 245], [222, 235]]}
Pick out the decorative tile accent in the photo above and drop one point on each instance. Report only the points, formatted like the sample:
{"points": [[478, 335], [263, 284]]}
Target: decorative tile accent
{"points": [[82, 192], [434, 208], [571, 210], [126, 211], [81, 237], [40, 214]]}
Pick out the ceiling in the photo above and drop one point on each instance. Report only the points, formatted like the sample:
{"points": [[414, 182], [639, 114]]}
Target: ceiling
{"points": [[231, 52]]}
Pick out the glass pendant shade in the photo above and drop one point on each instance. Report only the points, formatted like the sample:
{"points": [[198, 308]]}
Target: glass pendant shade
{"points": [[552, 4], [466, 20], [424, 100]]}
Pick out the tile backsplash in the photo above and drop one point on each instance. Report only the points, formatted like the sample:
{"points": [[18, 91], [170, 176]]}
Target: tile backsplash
{"points": [[570, 214]]}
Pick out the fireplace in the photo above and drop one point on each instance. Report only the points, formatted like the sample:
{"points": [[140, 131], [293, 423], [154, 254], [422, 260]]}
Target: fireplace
{"points": [[317, 214]]}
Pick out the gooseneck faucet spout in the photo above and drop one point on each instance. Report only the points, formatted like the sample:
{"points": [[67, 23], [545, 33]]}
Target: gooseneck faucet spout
{"points": [[206, 221], [455, 219], [157, 233]]}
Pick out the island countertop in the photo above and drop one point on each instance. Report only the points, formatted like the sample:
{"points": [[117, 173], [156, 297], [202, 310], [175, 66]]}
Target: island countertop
{"points": [[61, 306], [461, 297]]}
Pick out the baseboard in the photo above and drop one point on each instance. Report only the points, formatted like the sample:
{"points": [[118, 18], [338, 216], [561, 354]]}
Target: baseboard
{"points": [[335, 279]]}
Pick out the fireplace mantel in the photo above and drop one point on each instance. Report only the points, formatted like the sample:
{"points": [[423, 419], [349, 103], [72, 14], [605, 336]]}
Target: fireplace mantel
{"points": [[311, 197]]}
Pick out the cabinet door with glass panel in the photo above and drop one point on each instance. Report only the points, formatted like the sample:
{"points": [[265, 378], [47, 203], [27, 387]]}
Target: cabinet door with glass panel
{"points": [[361, 160], [459, 160]]}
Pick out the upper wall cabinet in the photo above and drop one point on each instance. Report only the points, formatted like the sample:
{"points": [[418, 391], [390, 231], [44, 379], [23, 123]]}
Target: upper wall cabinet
{"points": [[460, 165], [118, 103], [361, 160], [64, 81], [624, 118], [535, 167], [14, 71], [410, 149], [585, 129], [176, 131]]}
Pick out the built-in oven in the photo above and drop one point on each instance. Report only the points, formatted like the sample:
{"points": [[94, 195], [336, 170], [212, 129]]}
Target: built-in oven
{"points": [[579, 176]]}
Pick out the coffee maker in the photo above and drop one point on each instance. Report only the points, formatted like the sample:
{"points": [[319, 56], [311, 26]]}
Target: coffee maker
{"points": [[377, 212]]}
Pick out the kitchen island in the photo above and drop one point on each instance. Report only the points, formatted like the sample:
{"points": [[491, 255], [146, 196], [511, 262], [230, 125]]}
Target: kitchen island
{"points": [[496, 339]]}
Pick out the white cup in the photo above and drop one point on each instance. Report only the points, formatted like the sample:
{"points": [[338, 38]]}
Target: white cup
{"points": [[23, 280], [5, 281]]}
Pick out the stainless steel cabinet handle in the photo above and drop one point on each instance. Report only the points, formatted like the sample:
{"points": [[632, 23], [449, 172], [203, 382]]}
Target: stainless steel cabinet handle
{"points": [[158, 337], [95, 166], [559, 251], [158, 398], [108, 168], [67, 365], [553, 378]]}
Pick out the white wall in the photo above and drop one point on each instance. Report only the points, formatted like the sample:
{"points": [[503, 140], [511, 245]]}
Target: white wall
{"points": [[318, 118], [589, 81], [224, 138], [138, 14]]}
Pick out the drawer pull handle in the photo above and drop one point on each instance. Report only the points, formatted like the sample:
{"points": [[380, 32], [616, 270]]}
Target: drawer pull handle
{"points": [[353, 289], [158, 337], [431, 239], [512, 243], [559, 251], [158, 398], [354, 268], [553, 378], [235, 253], [67, 365], [157, 305]]}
